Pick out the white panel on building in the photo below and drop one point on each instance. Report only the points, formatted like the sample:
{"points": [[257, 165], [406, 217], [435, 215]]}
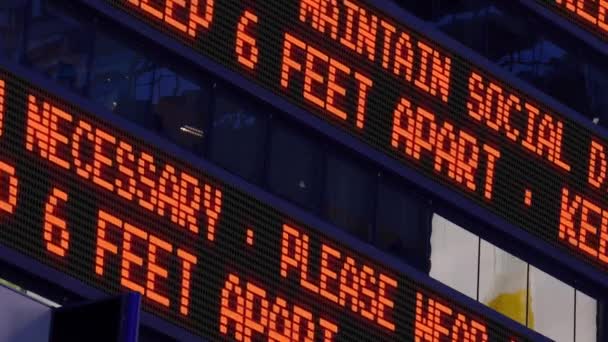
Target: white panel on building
{"points": [[586, 318], [553, 305], [454, 255], [503, 282]]}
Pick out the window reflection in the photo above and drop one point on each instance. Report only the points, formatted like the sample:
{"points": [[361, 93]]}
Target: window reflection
{"points": [[121, 80], [401, 224], [149, 94], [294, 166], [181, 106], [239, 134], [347, 200], [58, 45]]}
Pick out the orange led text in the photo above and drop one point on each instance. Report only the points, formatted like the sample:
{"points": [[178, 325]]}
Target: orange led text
{"points": [[436, 321], [248, 313], [56, 233], [147, 271], [326, 80], [454, 152], [583, 225], [110, 163], [596, 169], [2, 105], [8, 188], [592, 11], [539, 133], [246, 45], [187, 16], [342, 280], [379, 41]]}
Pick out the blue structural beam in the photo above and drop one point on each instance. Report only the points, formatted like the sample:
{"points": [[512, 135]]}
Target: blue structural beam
{"points": [[131, 313]]}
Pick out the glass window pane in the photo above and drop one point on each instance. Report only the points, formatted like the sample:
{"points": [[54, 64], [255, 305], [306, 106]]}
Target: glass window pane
{"points": [[181, 105], [294, 166], [454, 255], [238, 140], [349, 193], [552, 306], [586, 318], [122, 80], [503, 282], [58, 46], [402, 224], [12, 21]]}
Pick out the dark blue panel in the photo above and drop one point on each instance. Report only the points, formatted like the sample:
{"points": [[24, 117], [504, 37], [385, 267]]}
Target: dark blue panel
{"points": [[58, 45], [238, 134], [403, 223], [119, 73], [294, 165], [145, 91], [132, 309], [12, 22], [182, 107], [348, 202]]}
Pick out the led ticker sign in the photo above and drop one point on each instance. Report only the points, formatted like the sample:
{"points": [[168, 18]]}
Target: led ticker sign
{"points": [[592, 15], [90, 200], [413, 100]]}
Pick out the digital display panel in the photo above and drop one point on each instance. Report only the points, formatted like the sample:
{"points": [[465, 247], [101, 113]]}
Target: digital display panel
{"points": [[588, 14], [423, 105], [101, 205]]}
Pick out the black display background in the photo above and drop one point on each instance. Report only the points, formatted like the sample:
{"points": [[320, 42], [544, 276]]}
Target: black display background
{"points": [[516, 170], [229, 253]]}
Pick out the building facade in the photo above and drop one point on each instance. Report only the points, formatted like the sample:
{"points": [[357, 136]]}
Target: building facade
{"points": [[289, 131]]}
